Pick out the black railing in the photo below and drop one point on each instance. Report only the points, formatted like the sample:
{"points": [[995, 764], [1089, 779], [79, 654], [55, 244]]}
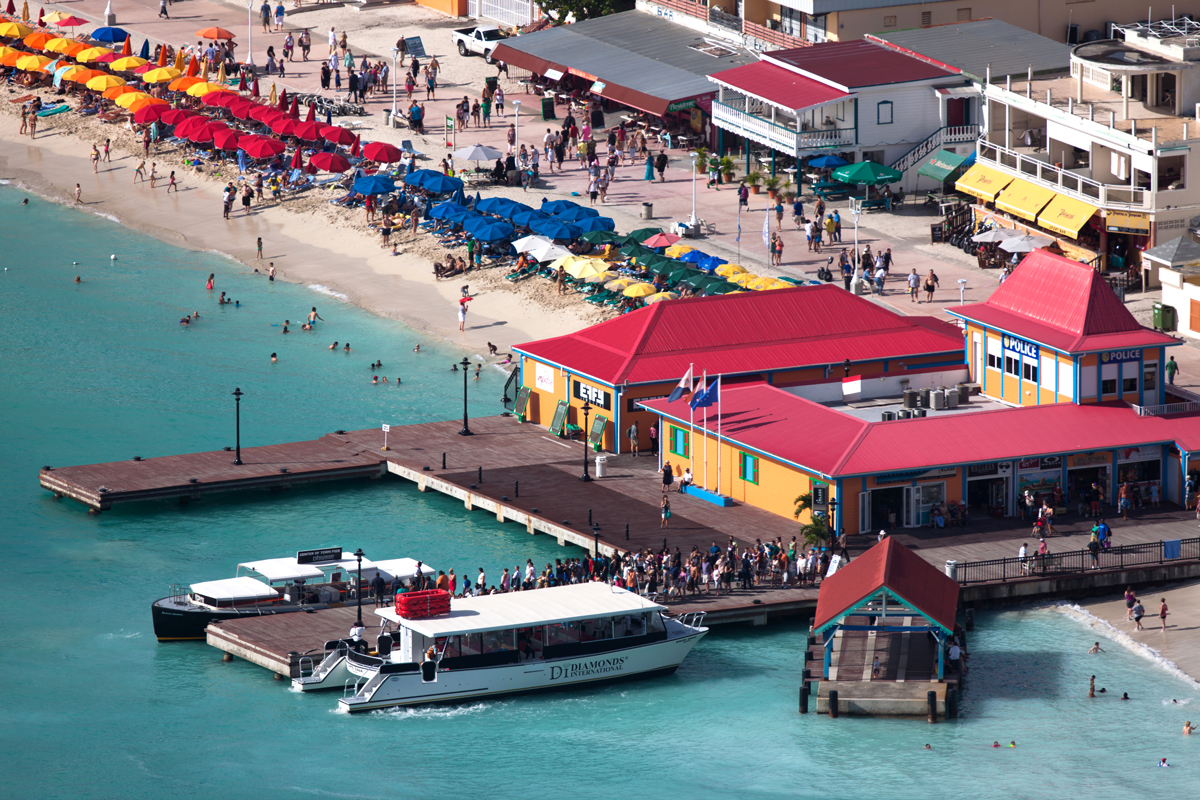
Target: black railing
{"points": [[1076, 561], [719, 17], [510, 398]]}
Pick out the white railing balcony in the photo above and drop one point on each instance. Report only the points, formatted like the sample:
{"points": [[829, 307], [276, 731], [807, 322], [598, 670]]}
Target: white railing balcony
{"points": [[779, 137], [1103, 195], [957, 134]]}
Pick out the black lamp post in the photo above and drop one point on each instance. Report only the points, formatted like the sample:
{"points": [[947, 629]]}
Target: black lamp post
{"points": [[833, 504], [466, 365], [237, 424], [359, 555], [586, 410]]}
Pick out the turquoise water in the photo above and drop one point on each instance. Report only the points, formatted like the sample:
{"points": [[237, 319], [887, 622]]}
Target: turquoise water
{"points": [[94, 707]]}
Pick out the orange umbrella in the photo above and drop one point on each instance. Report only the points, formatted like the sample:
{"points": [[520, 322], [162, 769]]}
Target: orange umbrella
{"points": [[82, 74], [127, 100], [74, 49], [38, 40], [117, 91], [182, 84], [127, 48], [214, 33], [142, 102], [179, 65], [193, 68], [6, 50], [10, 59], [202, 88], [162, 55]]}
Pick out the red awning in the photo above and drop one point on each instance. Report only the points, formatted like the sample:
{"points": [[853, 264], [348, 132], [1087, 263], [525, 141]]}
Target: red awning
{"points": [[778, 86]]}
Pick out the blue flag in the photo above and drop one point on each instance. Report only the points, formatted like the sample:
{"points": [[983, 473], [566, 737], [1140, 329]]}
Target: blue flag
{"points": [[707, 397]]}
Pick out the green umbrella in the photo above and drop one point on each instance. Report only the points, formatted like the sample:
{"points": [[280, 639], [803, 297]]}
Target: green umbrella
{"points": [[663, 266], [636, 251], [642, 234], [867, 172], [699, 281], [724, 287], [682, 274], [601, 237]]}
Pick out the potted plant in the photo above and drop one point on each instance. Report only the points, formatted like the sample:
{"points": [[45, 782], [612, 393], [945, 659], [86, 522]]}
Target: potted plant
{"points": [[771, 183], [753, 179], [701, 160], [727, 169]]}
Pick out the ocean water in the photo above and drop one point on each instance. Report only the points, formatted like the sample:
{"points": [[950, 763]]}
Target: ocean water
{"points": [[95, 707]]}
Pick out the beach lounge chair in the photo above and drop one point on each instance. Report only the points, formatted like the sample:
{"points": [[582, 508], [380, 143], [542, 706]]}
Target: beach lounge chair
{"points": [[407, 147]]}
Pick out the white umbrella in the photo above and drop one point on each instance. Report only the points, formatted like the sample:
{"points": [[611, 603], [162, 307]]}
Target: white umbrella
{"points": [[527, 243], [1024, 244], [995, 235], [549, 252], [478, 152]]}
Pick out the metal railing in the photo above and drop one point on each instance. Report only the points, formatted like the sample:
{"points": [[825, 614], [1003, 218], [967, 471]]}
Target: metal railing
{"points": [[778, 136], [1166, 408], [1061, 180], [948, 135], [720, 19], [1071, 562]]}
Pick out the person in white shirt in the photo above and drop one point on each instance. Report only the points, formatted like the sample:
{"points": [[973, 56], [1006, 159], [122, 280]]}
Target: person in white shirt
{"points": [[686, 480], [808, 233], [332, 40]]}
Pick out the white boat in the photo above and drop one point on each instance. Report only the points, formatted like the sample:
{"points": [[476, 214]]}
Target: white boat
{"points": [[519, 642]]}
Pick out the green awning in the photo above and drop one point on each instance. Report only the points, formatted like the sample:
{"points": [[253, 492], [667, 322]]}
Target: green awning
{"points": [[940, 165]]}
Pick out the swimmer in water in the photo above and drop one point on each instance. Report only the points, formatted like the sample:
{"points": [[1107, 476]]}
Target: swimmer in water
{"points": [[374, 380], [195, 315], [306, 327], [1188, 727], [25, 202], [237, 303], [1012, 744], [385, 379], [417, 349], [1124, 695], [346, 349], [454, 367], [285, 329], [1162, 762], [78, 279], [333, 346], [397, 380], [1096, 648], [186, 320], [274, 359], [995, 744], [927, 747]]}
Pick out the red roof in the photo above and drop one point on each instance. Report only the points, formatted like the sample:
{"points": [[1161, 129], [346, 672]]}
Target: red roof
{"points": [[1062, 304], [778, 85], [744, 333], [830, 442], [889, 565], [858, 64]]}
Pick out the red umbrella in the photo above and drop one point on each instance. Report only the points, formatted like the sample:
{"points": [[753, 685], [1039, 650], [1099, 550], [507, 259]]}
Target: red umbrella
{"points": [[242, 81], [243, 110], [226, 139], [298, 159], [264, 113], [283, 126], [312, 113], [382, 152], [41, 13], [330, 162], [10, 9], [200, 134], [355, 150], [309, 131], [148, 114], [283, 101], [295, 111], [337, 135], [186, 126], [176, 115], [193, 69], [144, 68], [218, 98], [661, 240], [107, 58], [254, 88], [261, 146]]}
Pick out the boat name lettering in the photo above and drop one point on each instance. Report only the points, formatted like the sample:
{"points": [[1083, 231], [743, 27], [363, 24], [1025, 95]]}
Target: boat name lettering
{"points": [[598, 667]]}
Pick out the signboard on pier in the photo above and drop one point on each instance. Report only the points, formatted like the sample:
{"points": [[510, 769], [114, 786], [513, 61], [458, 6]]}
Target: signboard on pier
{"points": [[560, 418], [319, 556], [596, 434]]}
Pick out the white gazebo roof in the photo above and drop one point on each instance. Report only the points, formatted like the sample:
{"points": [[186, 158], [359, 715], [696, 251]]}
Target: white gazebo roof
{"points": [[282, 569], [243, 588]]}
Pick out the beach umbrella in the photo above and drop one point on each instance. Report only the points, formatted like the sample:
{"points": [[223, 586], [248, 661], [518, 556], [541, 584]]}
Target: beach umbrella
{"points": [[337, 135], [729, 270], [441, 184], [117, 91], [81, 74], [254, 88], [298, 159], [221, 99], [40, 22], [328, 116], [58, 45], [662, 266], [11, 9], [272, 98], [441, 210], [283, 99], [105, 83], [38, 39], [356, 148], [693, 257], [720, 287], [242, 109], [308, 131], [150, 113], [160, 75], [179, 59], [127, 47], [374, 184], [214, 33], [489, 230], [109, 35], [263, 113], [554, 229], [242, 81], [477, 152], [558, 206], [261, 146], [576, 214], [658, 297], [34, 63], [148, 102], [182, 83], [129, 98], [527, 243], [567, 261], [661, 240], [204, 133], [25, 11], [758, 284], [106, 58], [636, 251], [56, 17], [1024, 244], [177, 115], [145, 51], [294, 112], [603, 277], [282, 126], [500, 206], [587, 268], [203, 88], [386, 153], [826, 162], [995, 235], [599, 236], [14, 30], [311, 116], [867, 172], [193, 67], [9, 59], [91, 54], [226, 139], [526, 218], [126, 64], [711, 263], [4, 51], [642, 234], [620, 284], [595, 224], [221, 79], [744, 278], [640, 290], [183, 126]]}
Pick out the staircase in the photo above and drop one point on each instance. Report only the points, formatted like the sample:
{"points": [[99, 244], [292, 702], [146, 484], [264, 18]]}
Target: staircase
{"points": [[913, 159]]}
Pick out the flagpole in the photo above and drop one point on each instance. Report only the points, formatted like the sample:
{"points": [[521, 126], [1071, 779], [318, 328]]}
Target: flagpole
{"points": [[719, 393], [704, 384], [691, 421]]}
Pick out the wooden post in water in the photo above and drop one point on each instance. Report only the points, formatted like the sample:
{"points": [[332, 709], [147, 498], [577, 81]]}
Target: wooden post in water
{"points": [[804, 698], [833, 703], [227, 657], [931, 697]]}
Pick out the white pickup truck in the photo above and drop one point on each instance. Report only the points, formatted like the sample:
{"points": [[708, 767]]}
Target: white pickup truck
{"points": [[481, 40]]}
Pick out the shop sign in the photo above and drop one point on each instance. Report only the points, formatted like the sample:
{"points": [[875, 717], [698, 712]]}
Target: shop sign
{"points": [[820, 495], [1115, 356], [1089, 460], [1127, 222], [1029, 465], [1051, 462], [697, 120], [990, 469], [543, 377], [682, 105], [1127, 454], [582, 74], [915, 475], [598, 87], [1027, 349], [592, 394]]}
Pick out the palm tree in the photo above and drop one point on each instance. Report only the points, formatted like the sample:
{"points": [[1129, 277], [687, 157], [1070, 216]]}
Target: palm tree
{"points": [[816, 532]]}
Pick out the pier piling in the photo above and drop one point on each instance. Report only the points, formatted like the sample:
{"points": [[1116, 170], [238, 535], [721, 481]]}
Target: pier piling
{"points": [[227, 657], [833, 703], [516, 488], [804, 698], [931, 698], [481, 475], [443, 460], [627, 531]]}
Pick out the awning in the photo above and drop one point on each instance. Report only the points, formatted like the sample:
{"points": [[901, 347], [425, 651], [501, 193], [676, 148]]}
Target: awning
{"points": [[1066, 215], [778, 86], [941, 164], [1024, 199], [522, 60], [982, 182], [553, 74], [956, 91]]}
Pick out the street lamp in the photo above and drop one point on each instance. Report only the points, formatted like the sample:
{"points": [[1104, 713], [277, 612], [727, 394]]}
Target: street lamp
{"points": [[586, 410], [237, 424], [833, 504], [395, 74], [466, 365], [250, 32], [692, 221], [516, 126], [359, 555]]}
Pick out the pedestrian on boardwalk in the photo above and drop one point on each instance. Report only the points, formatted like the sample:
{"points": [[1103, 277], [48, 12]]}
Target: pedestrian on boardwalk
{"points": [[743, 194], [634, 438], [665, 506], [264, 16], [931, 283], [668, 476], [1172, 368], [653, 439], [162, 9], [660, 165]]}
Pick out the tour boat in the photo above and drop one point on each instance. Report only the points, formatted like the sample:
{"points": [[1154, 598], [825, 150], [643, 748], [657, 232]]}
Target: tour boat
{"points": [[271, 586], [500, 644]]}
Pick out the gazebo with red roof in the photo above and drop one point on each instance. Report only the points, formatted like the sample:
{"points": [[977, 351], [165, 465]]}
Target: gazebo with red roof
{"points": [[887, 582], [1056, 332]]}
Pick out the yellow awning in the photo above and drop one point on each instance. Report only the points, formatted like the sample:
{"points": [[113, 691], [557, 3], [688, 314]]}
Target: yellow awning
{"points": [[1066, 215], [982, 182], [1024, 199]]}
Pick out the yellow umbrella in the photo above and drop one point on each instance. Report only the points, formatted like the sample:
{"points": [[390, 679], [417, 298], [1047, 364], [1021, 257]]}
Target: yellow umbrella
{"points": [[273, 98], [565, 261], [677, 250], [729, 270], [126, 100], [620, 284], [160, 75], [55, 17], [104, 82], [221, 74], [14, 30], [25, 11], [204, 87], [640, 290], [654, 298], [32, 63], [81, 74], [127, 64], [603, 277], [6, 50], [179, 65], [182, 83], [586, 268], [91, 54], [744, 278], [760, 283], [56, 45]]}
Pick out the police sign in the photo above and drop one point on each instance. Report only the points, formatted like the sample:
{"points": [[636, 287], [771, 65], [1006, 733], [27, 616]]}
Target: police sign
{"points": [[1015, 345], [1114, 356]]}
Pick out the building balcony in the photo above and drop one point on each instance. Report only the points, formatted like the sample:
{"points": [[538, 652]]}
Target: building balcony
{"points": [[764, 38], [1063, 181], [686, 7], [780, 137], [718, 18]]}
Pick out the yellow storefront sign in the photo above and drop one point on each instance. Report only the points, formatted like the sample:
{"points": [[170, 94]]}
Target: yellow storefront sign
{"points": [[982, 182], [1127, 222], [1024, 199], [1066, 215]]}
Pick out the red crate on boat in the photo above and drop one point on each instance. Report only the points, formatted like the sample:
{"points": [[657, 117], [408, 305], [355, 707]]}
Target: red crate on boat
{"points": [[416, 605]]}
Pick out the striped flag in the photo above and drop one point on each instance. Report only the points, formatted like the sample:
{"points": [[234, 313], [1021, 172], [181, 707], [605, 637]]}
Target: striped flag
{"points": [[684, 387]]}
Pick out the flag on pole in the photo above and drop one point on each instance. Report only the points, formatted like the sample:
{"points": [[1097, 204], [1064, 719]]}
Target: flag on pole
{"points": [[684, 387], [707, 397], [739, 235], [767, 232]]}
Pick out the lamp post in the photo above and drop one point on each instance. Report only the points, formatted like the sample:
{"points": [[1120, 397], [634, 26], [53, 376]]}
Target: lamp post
{"points": [[250, 32], [394, 75], [586, 410], [359, 555], [695, 156], [237, 424], [517, 127], [833, 504], [466, 365]]}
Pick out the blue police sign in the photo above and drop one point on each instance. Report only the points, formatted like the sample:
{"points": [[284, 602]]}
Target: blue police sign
{"points": [[1027, 349]]}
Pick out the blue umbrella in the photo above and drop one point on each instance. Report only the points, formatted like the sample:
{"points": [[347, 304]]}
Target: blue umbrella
{"points": [[576, 214], [711, 263], [415, 177], [527, 218], [374, 184], [462, 217], [443, 210], [111, 35], [694, 257], [827, 162], [553, 229], [596, 224], [440, 184], [492, 205], [558, 206], [58, 74], [145, 54], [489, 230]]}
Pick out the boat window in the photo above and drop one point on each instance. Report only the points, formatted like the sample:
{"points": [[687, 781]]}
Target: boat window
{"points": [[562, 633], [470, 644], [499, 641], [452, 647], [655, 621], [595, 629], [629, 625], [529, 642]]}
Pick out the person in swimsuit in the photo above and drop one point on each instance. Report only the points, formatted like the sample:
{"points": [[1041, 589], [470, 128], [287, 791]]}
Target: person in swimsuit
{"points": [[271, 272], [140, 172], [171, 183], [211, 281], [153, 173], [346, 349], [1162, 613], [333, 346], [1130, 599]]}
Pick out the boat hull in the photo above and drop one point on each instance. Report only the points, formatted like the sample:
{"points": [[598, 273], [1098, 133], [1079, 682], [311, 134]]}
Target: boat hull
{"points": [[176, 621]]}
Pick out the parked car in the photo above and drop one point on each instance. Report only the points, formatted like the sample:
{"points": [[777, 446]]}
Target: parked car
{"points": [[481, 40]]}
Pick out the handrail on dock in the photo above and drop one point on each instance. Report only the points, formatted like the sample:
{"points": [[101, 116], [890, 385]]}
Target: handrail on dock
{"points": [[1076, 561]]}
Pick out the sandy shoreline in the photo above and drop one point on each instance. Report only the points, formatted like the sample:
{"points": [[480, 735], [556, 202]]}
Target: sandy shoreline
{"points": [[310, 242]]}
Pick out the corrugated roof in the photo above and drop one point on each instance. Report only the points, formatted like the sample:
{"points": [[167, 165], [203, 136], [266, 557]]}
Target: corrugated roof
{"points": [[889, 565], [858, 64], [972, 46], [743, 333], [778, 86], [632, 49], [1063, 304], [1180, 251]]}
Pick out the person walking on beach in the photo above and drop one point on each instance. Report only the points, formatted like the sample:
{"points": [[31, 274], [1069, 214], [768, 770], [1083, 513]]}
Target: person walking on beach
{"points": [[95, 159], [247, 196], [78, 193], [462, 316], [271, 272], [107, 148], [1138, 611], [259, 256], [1162, 613], [32, 125], [153, 173], [24, 118], [140, 172]]}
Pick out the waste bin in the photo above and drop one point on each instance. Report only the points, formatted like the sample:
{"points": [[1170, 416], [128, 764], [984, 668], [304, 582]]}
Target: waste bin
{"points": [[648, 212], [1158, 316], [601, 466], [1164, 317], [952, 570], [548, 108]]}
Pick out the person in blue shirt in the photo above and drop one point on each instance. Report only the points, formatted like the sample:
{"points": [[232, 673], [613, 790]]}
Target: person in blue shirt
{"points": [[798, 212]]}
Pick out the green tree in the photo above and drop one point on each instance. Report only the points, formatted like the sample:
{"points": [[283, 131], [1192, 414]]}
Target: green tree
{"points": [[580, 10], [816, 533]]}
